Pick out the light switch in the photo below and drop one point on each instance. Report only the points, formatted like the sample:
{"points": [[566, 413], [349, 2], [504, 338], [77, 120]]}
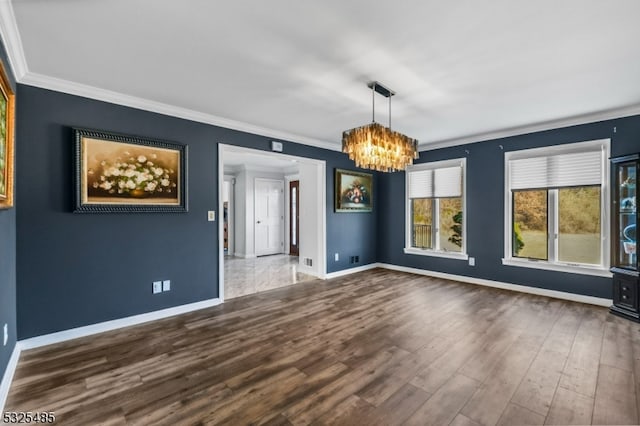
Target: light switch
{"points": [[211, 216]]}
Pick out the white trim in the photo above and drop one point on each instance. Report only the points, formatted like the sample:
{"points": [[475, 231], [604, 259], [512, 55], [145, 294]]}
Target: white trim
{"points": [[604, 145], [505, 286], [7, 378], [12, 41], [221, 224], [88, 330], [244, 255], [309, 271], [594, 117], [563, 148], [350, 271], [462, 163], [321, 191], [91, 92], [436, 253], [322, 241], [558, 267]]}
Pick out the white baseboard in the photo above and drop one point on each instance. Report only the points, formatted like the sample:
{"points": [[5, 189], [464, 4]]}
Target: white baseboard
{"points": [[7, 377], [309, 271], [74, 333], [591, 300], [245, 255], [351, 271]]}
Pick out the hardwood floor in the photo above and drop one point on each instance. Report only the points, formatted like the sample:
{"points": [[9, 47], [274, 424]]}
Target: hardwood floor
{"points": [[375, 348]]}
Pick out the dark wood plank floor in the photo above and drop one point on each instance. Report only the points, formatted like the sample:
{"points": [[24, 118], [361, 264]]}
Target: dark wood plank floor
{"points": [[378, 347]]}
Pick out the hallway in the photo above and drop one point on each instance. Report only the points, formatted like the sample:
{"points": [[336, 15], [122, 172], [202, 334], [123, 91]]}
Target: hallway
{"points": [[249, 276]]}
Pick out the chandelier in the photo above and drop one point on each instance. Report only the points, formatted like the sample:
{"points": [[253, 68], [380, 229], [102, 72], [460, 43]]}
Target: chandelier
{"points": [[376, 147]]}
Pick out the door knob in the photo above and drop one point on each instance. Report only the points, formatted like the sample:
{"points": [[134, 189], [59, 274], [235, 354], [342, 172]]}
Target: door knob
{"points": [[258, 222]]}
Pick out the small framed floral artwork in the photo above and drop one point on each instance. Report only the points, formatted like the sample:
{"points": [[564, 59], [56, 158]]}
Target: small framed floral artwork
{"points": [[118, 173], [7, 102], [354, 191]]}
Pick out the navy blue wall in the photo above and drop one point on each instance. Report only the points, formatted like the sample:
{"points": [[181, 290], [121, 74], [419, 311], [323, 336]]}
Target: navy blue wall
{"points": [[485, 208], [7, 263], [76, 270]]}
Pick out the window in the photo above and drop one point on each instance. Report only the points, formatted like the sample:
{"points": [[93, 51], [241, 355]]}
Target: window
{"points": [[435, 222], [556, 208]]}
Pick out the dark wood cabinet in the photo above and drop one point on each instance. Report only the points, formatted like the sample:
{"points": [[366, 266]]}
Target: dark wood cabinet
{"points": [[624, 217]]}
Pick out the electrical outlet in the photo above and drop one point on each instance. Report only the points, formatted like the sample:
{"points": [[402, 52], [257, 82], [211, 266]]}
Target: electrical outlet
{"points": [[337, 257], [6, 334], [357, 259], [211, 216], [157, 287], [472, 261], [166, 285]]}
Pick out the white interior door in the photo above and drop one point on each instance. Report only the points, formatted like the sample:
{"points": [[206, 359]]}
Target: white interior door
{"points": [[269, 216]]}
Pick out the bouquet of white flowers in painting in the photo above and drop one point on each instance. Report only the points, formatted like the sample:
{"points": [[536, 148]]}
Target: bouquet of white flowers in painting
{"points": [[133, 175]]}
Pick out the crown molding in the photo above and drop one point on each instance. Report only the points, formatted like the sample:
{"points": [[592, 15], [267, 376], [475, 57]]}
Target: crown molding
{"points": [[532, 128], [91, 92], [15, 51], [12, 41]]}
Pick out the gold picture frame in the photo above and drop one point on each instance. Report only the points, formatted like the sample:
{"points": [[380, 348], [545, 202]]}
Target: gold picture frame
{"points": [[117, 173], [7, 131], [354, 191]]}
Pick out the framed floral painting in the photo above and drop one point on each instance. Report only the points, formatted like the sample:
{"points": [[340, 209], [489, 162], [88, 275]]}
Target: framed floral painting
{"points": [[354, 191], [7, 123], [118, 173]]}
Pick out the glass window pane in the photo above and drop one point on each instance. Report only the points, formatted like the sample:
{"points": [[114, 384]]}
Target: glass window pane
{"points": [[530, 224], [422, 214], [451, 224], [579, 225]]}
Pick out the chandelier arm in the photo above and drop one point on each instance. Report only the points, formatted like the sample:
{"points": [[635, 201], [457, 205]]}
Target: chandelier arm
{"points": [[373, 102], [390, 112]]}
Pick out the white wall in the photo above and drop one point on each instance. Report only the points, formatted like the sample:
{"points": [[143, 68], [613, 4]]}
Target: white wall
{"points": [[240, 214], [311, 218], [228, 196]]}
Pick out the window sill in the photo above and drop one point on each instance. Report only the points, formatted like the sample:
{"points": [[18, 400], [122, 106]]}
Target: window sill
{"points": [[572, 269], [434, 253]]}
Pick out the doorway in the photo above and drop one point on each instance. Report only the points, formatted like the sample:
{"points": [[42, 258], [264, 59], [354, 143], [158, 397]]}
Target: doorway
{"points": [[248, 169], [294, 217]]}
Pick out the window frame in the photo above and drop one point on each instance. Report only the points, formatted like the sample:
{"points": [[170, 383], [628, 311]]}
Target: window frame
{"points": [[408, 249], [553, 263]]}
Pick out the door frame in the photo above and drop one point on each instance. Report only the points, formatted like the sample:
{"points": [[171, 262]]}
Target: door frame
{"points": [[320, 270], [293, 222], [255, 245], [287, 202]]}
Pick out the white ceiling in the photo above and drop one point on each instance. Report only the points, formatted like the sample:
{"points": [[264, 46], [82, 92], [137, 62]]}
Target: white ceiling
{"points": [[463, 70]]}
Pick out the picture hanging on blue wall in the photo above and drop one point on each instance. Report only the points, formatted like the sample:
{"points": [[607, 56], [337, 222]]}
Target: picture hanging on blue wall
{"points": [[353, 191], [7, 123], [119, 173]]}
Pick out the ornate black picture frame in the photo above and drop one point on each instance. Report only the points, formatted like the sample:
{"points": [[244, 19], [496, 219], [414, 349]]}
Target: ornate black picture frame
{"points": [[119, 173]]}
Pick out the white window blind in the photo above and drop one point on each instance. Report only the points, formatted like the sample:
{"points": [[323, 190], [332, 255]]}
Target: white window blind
{"points": [[562, 170], [440, 182]]}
